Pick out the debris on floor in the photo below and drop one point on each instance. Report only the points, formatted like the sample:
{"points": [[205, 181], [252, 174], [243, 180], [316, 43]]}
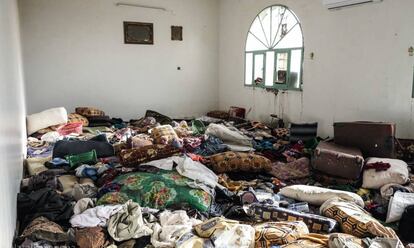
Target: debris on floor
{"points": [[219, 180]]}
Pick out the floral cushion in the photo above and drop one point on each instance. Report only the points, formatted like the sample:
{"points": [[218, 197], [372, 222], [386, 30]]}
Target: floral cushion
{"points": [[137, 156], [164, 189], [238, 161]]}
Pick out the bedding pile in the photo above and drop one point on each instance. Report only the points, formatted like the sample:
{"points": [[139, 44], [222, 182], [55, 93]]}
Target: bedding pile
{"points": [[93, 181]]}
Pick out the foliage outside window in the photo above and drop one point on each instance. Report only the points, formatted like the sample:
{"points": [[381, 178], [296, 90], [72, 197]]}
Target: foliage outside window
{"points": [[274, 50]]}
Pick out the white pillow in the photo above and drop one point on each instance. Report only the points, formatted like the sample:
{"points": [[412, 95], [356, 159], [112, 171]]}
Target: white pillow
{"points": [[397, 173], [317, 195], [47, 118], [397, 205]]}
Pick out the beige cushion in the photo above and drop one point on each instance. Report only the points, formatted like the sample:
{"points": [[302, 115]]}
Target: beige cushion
{"points": [[36, 166], [317, 195], [397, 173]]}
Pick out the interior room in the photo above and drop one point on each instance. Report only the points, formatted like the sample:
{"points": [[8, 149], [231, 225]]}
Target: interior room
{"points": [[207, 123]]}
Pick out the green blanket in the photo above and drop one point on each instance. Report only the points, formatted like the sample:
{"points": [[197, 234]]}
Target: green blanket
{"points": [[164, 189]]}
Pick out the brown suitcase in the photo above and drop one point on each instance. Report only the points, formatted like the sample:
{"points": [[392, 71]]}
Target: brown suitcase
{"points": [[375, 139], [338, 161]]}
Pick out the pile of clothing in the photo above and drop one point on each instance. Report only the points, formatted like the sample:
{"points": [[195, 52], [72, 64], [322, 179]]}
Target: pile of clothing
{"points": [[93, 181]]}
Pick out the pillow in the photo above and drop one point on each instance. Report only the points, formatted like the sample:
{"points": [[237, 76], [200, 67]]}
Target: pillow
{"points": [[317, 195], [354, 220], [163, 134], [47, 118], [397, 173], [137, 156], [238, 161]]}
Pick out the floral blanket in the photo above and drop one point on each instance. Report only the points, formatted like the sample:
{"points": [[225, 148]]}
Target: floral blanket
{"points": [[160, 190]]}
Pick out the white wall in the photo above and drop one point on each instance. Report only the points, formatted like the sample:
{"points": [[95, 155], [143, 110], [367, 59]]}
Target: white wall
{"points": [[74, 54], [361, 69], [12, 113]]}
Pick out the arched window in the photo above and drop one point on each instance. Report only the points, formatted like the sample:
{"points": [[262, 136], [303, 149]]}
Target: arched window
{"points": [[274, 50]]}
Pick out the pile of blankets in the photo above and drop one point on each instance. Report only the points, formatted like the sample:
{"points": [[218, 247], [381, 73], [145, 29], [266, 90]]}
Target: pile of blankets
{"points": [[93, 181]]}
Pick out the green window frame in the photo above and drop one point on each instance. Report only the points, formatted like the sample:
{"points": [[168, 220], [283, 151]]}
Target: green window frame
{"points": [[292, 81]]}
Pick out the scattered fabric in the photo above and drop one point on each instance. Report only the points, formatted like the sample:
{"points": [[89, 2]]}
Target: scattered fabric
{"points": [[127, 223], [93, 217]]}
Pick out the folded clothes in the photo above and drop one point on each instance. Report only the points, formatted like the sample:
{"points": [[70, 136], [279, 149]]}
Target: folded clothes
{"points": [[99, 143]]}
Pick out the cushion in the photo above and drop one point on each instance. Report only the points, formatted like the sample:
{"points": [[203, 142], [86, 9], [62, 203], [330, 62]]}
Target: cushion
{"points": [[238, 161], [397, 173], [89, 111], [354, 220], [137, 156], [160, 190], [36, 166], [163, 134], [315, 223], [317, 195], [278, 233], [73, 118], [397, 205], [47, 118]]}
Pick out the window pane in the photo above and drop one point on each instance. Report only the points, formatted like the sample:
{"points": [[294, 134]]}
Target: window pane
{"points": [[253, 44], [249, 69], [257, 31], [258, 68], [295, 68], [292, 39], [281, 68], [270, 68], [264, 16], [277, 14]]}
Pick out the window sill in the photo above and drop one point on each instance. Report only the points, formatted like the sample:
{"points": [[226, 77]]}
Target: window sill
{"points": [[276, 87]]}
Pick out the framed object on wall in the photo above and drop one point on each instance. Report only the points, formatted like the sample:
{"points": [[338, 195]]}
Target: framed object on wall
{"points": [[138, 33], [176, 33]]}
